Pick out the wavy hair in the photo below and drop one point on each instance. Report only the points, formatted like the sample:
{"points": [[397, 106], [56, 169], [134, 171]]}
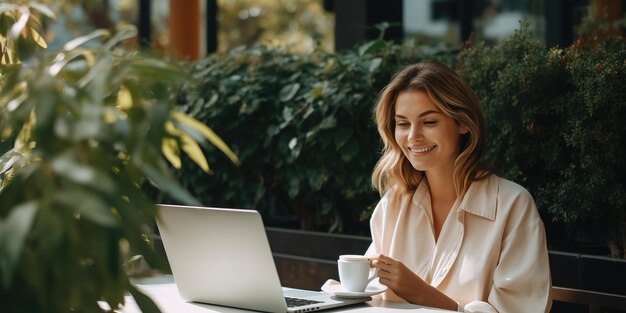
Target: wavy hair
{"points": [[454, 97]]}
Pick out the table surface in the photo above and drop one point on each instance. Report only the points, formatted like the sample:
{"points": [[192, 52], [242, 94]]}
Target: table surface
{"points": [[164, 293]]}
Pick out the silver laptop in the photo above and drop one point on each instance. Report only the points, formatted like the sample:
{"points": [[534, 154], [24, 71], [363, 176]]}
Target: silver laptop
{"points": [[222, 256]]}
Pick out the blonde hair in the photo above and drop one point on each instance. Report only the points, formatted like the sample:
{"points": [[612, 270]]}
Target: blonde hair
{"points": [[455, 99]]}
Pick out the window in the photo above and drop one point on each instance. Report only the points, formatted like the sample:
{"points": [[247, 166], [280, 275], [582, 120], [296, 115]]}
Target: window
{"points": [[440, 23]]}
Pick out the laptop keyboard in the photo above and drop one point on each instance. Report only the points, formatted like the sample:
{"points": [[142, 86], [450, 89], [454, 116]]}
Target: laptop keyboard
{"points": [[296, 302]]}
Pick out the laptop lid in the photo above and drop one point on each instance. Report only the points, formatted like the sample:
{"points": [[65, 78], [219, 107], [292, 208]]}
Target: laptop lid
{"points": [[222, 256]]}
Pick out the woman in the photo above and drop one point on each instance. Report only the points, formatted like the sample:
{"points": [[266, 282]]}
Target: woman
{"points": [[447, 232]]}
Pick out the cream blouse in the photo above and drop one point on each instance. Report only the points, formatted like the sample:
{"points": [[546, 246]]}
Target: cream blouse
{"points": [[491, 255]]}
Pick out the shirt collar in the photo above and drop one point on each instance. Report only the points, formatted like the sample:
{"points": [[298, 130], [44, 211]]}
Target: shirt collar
{"points": [[481, 198], [421, 196]]}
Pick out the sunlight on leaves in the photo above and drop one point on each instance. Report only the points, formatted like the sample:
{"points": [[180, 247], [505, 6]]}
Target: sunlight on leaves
{"points": [[38, 39], [207, 133], [124, 99], [77, 42], [121, 35], [169, 147], [189, 146], [42, 9], [18, 28], [194, 152], [23, 137]]}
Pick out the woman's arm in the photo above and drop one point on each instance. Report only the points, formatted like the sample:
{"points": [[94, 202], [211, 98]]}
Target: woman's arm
{"points": [[410, 287], [522, 280]]}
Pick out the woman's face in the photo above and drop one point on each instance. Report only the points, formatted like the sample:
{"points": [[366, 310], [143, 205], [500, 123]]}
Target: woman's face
{"points": [[428, 138]]}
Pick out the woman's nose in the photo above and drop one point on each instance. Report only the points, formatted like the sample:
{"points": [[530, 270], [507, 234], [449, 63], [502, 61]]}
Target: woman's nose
{"points": [[415, 134]]}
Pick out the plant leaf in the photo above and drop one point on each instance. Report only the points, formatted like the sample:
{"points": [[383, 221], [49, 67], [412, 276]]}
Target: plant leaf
{"points": [[143, 302], [6, 7], [19, 26], [328, 122], [42, 9], [124, 99], [169, 147], [167, 184], [194, 152], [375, 64], [82, 174], [207, 133], [38, 39], [8, 159], [13, 231], [77, 42], [96, 73], [88, 206], [288, 92], [125, 33], [293, 142], [371, 47], [63, 58]]}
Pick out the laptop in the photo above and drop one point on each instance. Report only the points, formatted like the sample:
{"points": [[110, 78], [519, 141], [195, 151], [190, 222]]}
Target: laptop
{"points": [[222, 256]]}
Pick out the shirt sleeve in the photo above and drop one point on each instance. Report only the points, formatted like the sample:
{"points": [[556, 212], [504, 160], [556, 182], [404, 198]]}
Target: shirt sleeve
{"points": [[479, 307], [521, 280]]}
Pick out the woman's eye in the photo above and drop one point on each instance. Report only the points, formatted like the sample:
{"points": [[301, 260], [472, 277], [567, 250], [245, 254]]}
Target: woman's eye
{"points": [[430, 123], [402, 124]]}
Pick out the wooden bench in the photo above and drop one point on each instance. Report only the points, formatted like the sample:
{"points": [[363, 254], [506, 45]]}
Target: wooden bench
{"points": [[591, 301], [307, 259]]}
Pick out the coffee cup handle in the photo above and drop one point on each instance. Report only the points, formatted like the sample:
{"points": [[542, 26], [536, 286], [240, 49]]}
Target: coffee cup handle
{"points": [[373, 275]]}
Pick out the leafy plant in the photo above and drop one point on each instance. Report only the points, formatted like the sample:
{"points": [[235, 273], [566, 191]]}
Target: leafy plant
{"points": [[553, 122], [301, 125], [595, 134], [21, 28], [86, 127]]}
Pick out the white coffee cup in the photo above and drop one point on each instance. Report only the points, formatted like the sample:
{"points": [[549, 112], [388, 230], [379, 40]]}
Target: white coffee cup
{"points": [[354, 272]]}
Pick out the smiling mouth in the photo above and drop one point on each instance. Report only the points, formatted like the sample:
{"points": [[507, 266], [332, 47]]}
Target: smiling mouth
{"points": [[422, 150]]}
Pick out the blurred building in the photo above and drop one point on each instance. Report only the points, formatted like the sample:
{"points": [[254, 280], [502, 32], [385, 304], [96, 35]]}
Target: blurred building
{"points": [[197, 27]]}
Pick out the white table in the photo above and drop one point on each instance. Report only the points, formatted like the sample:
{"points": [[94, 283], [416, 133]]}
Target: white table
{"points": [[164, 293]]}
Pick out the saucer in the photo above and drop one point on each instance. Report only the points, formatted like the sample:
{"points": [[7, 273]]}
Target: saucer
{"points": [[335, 288]]}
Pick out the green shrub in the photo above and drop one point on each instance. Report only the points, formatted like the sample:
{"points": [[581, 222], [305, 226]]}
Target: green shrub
{"points": [[553, 122], [593, 185], [524, 95], [302, 127]]}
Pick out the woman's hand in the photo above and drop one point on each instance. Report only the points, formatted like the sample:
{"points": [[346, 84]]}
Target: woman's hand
{"points": [[395, 275], [408, 286]]}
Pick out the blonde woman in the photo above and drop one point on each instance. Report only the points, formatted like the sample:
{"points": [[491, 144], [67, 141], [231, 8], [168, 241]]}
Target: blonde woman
{"points": [[448, 232]]}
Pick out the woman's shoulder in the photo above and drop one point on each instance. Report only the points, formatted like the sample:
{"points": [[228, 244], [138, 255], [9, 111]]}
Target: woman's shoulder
{"points": [[513, 187], [503, 187], [513, 197], [496, 194]]}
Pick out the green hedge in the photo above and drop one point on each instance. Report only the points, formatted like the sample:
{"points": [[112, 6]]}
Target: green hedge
{"points": [[555, 124], [302, 126]]}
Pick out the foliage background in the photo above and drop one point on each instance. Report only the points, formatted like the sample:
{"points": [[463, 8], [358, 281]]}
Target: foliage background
{"points": [[81, 130], [303, 128], [553, 122]]}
